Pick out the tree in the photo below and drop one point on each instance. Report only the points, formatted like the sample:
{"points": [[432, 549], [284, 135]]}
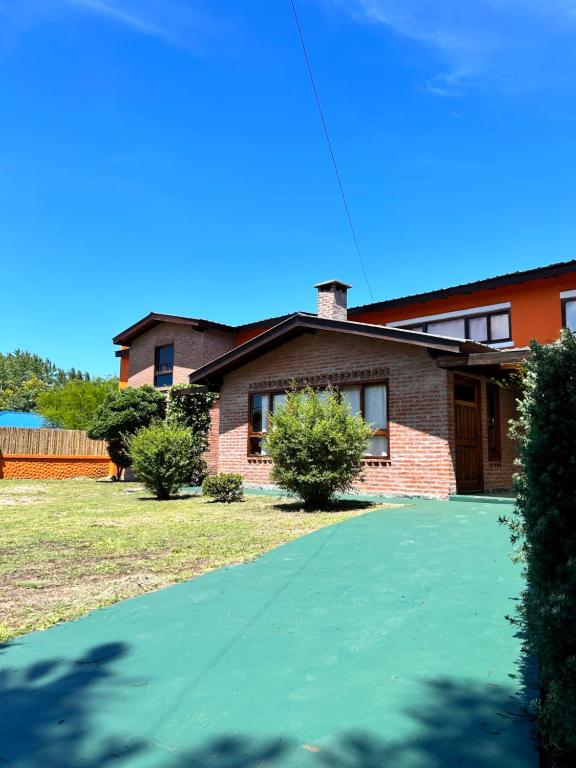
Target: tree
{"points": [[189, 406], [74, 404], [161, 455], [24, 375], [544, 533], [121, 415], [23, 397], [316, 445]]}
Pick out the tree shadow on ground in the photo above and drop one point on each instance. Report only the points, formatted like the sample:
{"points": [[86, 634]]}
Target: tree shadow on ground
{"points": [[462, 725], [340, 505], [50, 712]]}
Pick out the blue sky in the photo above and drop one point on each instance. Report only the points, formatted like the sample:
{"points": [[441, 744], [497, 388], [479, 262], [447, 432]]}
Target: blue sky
{"points": [[167, 155]]}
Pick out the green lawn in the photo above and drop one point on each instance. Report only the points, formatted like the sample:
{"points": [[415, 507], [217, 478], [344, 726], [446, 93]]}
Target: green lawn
{"points": [[69, 546]]}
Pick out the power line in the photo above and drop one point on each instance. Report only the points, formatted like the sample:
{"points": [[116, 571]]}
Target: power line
{"points": [[332, 156]]}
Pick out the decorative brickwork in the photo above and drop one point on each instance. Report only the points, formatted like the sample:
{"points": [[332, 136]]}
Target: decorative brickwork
{"points": [[44, 467]]}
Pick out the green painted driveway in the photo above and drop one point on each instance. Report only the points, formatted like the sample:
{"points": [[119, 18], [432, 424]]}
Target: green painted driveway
{"points": [[377, 643]]}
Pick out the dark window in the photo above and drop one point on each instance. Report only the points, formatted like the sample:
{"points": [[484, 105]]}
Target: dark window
{"points": [[465, 392], [569, 314], [488, 328], [494, 432], [258, 426], [163, 365], [370, 400]]}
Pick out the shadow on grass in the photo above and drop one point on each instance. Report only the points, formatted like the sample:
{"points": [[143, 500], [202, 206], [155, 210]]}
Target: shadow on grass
{"points": [[51, 715], [177, 497], [340, 505]]}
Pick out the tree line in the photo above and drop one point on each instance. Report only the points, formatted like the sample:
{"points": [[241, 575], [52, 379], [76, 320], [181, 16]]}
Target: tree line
{"points": [[66, 398]]}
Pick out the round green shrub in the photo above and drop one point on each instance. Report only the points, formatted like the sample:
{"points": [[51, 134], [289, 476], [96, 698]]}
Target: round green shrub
{"points": [[163, 456], [316, 445], [226, 487]]}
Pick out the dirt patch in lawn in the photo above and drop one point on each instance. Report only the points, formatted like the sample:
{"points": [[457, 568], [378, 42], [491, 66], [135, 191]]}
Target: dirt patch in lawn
{"points": [[70, 546]]}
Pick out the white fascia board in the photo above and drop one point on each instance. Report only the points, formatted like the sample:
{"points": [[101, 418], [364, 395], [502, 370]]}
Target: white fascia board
{"points": [[501, 344]]}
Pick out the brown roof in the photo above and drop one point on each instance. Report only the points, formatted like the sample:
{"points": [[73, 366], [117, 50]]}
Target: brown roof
{"points": [[212, 372], [511, 278], [153, 318], [539, 273]]}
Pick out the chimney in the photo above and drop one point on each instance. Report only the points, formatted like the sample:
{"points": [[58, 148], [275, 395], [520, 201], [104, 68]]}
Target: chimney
{"points": [[333, 299]]}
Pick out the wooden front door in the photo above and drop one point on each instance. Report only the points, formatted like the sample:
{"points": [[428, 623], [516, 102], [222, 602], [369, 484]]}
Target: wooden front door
{"points": [[468, 433]]}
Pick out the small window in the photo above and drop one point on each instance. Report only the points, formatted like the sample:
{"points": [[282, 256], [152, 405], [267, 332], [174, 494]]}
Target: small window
{"points": [[500, 327], [258, 426], [478, 328], [465, 392], [456, 328], [569, 314], [164, 365], [494, 431]]}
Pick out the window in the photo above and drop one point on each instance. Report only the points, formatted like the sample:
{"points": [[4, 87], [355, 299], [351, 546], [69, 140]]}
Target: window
{"points": [[569, 314], [456, 327], [488, 328], [369, 400], [260, 408], [163, 365], [494, 433]]}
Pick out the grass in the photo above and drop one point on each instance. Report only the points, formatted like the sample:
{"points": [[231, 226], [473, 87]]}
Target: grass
{"points": [[70, 546]]}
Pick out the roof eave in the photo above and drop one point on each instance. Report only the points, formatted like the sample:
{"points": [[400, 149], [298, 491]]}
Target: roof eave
{"points": [[512, 278], [154, 318], [212, 372]]}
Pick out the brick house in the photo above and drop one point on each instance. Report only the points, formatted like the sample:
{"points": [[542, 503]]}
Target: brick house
{"points": [[422, 369]]}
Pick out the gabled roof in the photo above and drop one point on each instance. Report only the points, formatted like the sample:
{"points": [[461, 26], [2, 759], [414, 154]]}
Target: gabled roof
{"points": [[153, 318], [511, 278], [126, 337], [298, 324]]}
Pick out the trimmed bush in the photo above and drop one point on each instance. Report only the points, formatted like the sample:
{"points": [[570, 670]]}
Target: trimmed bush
{"points": [[544, 530], [162, 455], [317, 445], [226, 487]]}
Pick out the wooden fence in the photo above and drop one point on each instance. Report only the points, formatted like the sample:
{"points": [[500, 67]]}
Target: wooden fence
{"points": [[49, 442]]}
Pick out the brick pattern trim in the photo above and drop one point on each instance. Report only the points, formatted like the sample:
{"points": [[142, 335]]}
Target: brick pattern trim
{"points": [[42, 467]]}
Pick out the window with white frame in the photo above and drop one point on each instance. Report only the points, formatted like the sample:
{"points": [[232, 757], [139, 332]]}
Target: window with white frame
{"points": [[370, 400]]}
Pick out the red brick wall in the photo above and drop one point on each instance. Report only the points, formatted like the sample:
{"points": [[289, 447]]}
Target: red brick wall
{"points": [[211, 455], [498, 474], [420, 417], [191, 350]]}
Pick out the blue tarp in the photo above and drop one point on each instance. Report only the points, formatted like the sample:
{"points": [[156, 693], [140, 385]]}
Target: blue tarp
{"points": [[21, 419]]}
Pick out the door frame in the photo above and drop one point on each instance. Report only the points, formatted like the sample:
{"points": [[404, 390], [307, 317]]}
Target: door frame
{"points": [[477, 383]]}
